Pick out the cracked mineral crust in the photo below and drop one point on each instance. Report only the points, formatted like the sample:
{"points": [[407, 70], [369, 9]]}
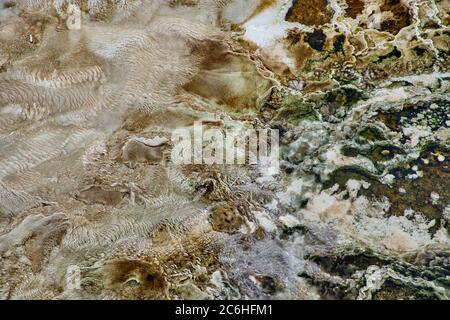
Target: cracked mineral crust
{"points": [[94, 205]]}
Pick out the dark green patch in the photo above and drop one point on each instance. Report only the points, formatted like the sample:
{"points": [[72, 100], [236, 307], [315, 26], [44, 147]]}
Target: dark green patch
{"points": [[400, 83], [436, 177], [346, 265], [345, 262], [344, 96], [338, 43], [9, 4], [418, 113], [393, 54], [419, 51], [316, 39], [370, 133], [294, 110], [394, 289], [377, 153]]}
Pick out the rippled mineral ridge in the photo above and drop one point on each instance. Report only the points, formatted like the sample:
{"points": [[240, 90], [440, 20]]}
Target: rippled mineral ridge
{"points": [[91, 207]]}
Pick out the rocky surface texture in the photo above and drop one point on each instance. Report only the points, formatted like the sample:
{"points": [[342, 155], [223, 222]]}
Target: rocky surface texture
{"points": [[91, 90]]}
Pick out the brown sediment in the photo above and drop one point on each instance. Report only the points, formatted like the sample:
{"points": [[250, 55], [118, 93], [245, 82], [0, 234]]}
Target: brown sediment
{"points": [[136, 151], [40, 245], [139, 120], [310, 12], [98, 195], [263, 5], [315, 86], [226, 218], [9, 4], [278, 67], [188, 3], [354, 8], [229, 79], [300, 50], [149, 281], [400, 16]]}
